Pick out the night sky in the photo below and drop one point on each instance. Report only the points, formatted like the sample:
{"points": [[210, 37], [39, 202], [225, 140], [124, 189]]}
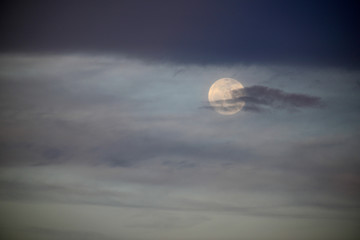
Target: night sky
{"points": [[106, 131]]}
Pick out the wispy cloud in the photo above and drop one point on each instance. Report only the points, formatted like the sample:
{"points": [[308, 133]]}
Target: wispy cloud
{"points": [[50, 233], [259, 98], [123, 142], [276, 98]]}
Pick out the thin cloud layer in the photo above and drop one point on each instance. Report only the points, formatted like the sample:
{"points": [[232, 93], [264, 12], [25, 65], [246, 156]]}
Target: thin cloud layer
{"points": [[115, 141]]}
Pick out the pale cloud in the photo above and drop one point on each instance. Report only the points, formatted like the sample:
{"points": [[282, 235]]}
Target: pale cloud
{"points": [[127, 142]]}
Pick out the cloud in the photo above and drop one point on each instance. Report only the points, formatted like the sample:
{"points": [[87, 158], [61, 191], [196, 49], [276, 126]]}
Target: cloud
{"points": [[82, 190], [56, 234], [257, 97], [260, 98], [117, 134]]}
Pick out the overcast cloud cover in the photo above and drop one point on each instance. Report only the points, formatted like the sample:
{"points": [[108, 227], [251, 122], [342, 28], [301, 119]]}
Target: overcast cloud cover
{"points": [[106, 132]]}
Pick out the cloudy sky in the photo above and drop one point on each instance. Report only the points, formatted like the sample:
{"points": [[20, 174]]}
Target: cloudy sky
{"points": [[106, 131]]}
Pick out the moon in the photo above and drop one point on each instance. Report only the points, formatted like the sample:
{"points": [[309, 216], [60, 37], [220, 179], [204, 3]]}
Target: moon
{"points": [[221, 94]]}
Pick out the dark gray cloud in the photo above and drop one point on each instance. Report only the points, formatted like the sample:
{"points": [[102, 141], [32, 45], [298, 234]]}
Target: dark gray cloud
{"points": [[32, 154], [258, 98]]}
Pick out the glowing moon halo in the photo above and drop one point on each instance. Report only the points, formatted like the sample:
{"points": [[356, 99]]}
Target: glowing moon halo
{"points": [[221, 95]]}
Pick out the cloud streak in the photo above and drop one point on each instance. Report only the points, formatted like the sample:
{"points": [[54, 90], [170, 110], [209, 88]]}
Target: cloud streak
{"points": [[259, 98]]}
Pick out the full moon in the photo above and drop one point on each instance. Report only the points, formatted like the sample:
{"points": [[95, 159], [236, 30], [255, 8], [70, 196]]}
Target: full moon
{"points": [[221, 96]]}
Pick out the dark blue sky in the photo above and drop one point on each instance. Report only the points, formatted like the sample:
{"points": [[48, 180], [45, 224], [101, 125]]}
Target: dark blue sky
{"points": [[286, 32]]}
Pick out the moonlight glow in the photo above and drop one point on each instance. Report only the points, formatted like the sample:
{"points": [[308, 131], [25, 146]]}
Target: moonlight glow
{"points": [[221, 96]]}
